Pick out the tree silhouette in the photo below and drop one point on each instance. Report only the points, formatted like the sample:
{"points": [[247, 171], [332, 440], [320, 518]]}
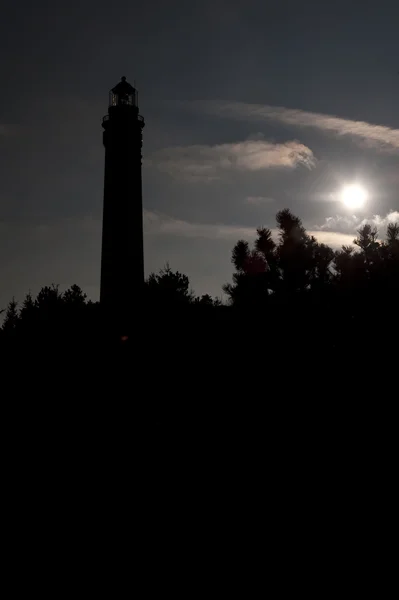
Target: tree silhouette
{"points": [[295, 264], [347, 265], [207, 300], [12, 318], [393, 236], [74, 296], [169, 288], [285, 291], [49, 314]]}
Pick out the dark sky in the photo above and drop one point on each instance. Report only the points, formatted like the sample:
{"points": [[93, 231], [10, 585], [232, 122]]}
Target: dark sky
{"points": [[250, 107]]}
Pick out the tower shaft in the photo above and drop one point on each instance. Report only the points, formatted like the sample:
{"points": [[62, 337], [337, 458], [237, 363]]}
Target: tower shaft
{"points": [[122, 259]]}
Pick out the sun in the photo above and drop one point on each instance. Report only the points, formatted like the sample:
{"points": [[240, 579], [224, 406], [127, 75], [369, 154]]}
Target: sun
{"points": [[354, 196]]}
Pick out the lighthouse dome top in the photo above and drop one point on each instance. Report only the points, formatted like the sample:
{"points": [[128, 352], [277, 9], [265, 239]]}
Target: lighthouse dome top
{"points": [[123, 87], [123, 94]]}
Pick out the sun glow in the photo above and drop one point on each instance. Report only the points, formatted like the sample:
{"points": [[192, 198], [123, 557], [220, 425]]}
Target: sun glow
{"points": [[354, 196]]}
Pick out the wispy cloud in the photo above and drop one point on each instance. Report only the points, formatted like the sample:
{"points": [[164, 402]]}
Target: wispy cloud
{"points": [[378, 136], [207, 163], [332, 238], [158, 224]]}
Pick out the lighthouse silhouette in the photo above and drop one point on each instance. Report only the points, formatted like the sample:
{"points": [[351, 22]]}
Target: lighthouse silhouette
{"points": [[122, 256]]}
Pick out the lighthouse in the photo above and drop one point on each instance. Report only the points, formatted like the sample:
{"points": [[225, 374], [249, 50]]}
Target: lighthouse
{"points": [[122, 256]]}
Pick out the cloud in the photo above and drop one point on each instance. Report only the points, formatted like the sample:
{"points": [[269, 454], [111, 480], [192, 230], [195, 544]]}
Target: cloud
{"points": [[382, 222], [158, 224], [351, 223], [332, 238], [378, 136], [340, 223], [207, 163]]}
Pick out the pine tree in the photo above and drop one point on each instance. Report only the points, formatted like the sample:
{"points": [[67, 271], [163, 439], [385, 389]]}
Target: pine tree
{"points": [[12, 317]]}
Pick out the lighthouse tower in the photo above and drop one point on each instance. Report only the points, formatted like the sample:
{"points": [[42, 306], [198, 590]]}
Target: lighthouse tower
{"points": [[122, 261]]}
